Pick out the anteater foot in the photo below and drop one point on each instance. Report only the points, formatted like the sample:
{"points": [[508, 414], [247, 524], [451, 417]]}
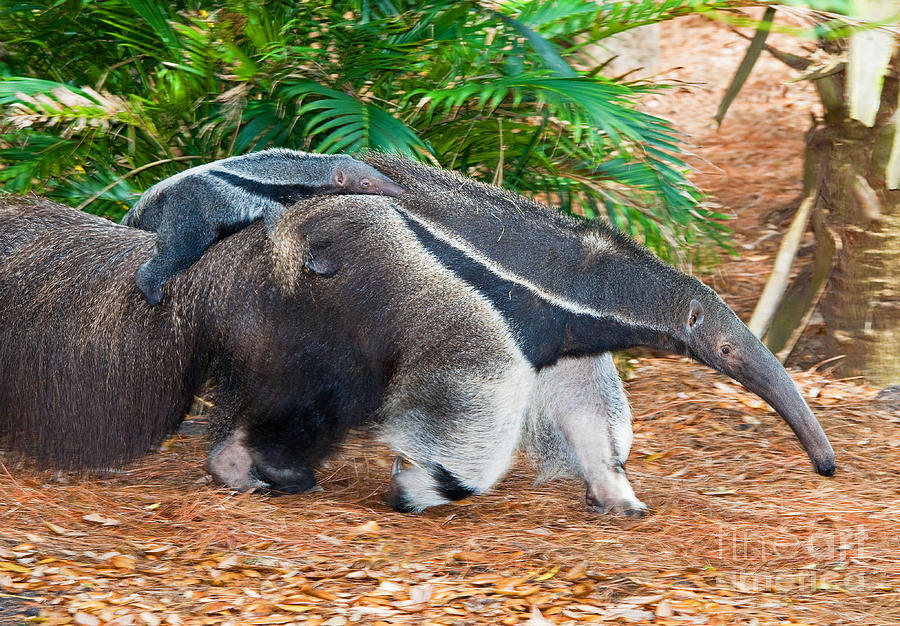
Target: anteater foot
{"points": [[281, 482], [413, 489], [150, 287], [633, 509]]}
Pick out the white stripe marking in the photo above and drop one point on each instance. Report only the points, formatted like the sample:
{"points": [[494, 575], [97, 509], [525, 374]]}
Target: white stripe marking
{"points": [[463, 246]]}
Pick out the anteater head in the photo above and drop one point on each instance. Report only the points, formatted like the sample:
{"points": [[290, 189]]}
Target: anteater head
{"points": [[613, 292], [352, 176], [714, 335]]}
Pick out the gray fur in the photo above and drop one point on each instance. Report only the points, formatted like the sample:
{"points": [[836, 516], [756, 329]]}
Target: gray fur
{"points": [[195, 208], [452, 320], [613, 292], [579, 424]]}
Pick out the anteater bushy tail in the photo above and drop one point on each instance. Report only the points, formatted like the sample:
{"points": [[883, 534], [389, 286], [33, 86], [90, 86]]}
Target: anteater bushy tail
{"points": [[90, 376]]}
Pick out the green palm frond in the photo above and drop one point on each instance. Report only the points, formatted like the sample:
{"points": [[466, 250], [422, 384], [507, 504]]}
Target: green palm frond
{"points": [[337, 122], [37, 157], [101, 100], [33, 102]]}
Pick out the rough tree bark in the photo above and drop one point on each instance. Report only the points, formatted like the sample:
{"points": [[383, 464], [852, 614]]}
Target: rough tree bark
{"points": [[845, 163]]}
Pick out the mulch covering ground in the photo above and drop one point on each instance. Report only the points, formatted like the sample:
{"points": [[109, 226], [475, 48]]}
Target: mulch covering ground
{"points": [[742, 530]]}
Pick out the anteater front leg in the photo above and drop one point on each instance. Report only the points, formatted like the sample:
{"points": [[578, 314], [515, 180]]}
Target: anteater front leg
{"points": [[456, 433], [176, 249], [580, 423]]}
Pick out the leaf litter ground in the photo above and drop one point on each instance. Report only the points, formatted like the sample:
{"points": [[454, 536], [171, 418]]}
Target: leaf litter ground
{"points": [[742, 530]]}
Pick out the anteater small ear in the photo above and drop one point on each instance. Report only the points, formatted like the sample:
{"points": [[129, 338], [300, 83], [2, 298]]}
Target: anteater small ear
{"points": [[318, 262], [694, 316], [340, 177]]}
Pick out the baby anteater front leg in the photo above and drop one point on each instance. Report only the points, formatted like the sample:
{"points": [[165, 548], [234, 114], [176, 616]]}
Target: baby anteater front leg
{"points": [[175, 252]]}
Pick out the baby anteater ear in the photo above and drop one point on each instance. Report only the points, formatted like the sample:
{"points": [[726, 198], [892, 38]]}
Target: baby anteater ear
{"points": [[318, 262], [341, 179]]}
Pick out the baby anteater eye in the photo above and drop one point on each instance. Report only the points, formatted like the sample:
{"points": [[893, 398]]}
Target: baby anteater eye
{"points": [[725, 349], [364, 183]]}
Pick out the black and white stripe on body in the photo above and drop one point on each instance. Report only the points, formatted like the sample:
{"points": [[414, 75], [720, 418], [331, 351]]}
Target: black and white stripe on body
{"points": [[546, 325], [195, 208], [451, 401], [578, 419], [568, 288]]}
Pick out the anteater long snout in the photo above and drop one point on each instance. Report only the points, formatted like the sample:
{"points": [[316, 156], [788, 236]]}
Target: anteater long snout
{"points": [[769, 380]]}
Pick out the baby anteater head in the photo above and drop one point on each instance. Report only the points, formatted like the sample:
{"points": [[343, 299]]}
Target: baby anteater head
{"points": [[352, 176]]}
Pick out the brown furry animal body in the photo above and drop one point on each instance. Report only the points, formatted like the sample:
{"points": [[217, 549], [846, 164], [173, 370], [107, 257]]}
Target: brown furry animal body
{"points": [[437, 317], [91, 376]]}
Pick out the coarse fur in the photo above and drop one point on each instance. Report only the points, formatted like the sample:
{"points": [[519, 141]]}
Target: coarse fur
{"points": [[568, 288], [91, 377], [589, 290], [555, 305], [197, 207], [98, 379], [579, 424], [424, 317], [295, 363]]}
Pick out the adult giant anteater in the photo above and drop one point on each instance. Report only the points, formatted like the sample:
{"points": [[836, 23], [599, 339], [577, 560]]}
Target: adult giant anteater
{"points": [[446, 318]]}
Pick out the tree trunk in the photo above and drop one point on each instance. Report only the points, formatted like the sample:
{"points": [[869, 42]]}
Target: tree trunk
{"points": [[846, 162]]}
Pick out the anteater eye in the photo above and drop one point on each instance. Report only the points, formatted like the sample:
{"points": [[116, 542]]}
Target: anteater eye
{"points": [[725, 350], [364, 182]]}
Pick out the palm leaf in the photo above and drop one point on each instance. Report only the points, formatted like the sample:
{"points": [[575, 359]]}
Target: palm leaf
{"points": [[354, 125], [750, 57]]}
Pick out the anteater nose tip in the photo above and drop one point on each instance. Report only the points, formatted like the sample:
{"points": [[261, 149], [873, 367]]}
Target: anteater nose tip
{"points": [[825, 469]]}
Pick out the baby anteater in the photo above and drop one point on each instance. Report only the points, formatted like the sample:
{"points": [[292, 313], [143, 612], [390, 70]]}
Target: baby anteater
{"points": [[195, 208]]}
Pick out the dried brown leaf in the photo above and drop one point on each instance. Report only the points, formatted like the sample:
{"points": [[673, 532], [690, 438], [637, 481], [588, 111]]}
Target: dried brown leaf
{"points": [[85, 619], [100, 519], [59, 530], [536, 619], [122, 561], [368, 528], [14, 567], [318, 593], [664, 609]]}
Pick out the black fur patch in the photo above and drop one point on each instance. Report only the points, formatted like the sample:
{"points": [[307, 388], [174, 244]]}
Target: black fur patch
{"points": [[286, 194], [399, 502], [448, 485], [544, 331]]}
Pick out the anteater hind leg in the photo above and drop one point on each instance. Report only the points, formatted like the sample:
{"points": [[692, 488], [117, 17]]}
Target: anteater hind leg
{"points": [[580, 422], [457, 435], [231, 464], [176, 250], [267, 466]]}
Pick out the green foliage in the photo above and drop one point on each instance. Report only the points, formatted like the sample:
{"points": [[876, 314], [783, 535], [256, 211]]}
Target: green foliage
{"points": [[102, 99], [835, 6]]}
